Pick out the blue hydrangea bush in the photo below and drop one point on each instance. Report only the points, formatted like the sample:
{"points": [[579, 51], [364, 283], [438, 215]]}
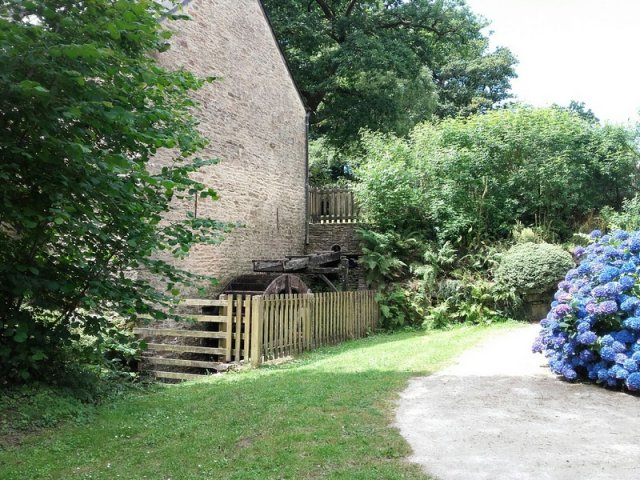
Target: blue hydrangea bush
{"points": [[593, 328]]}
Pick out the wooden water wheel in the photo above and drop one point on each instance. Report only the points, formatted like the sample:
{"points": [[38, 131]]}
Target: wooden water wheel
{"points": [[286, 283]]}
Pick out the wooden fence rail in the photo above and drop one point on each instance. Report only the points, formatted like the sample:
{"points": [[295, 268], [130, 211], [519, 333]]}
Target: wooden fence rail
{"points": [[332, 205]]}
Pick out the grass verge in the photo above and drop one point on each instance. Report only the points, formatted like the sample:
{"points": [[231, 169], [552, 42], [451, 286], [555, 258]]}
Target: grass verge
{"points": [[327, 414]]}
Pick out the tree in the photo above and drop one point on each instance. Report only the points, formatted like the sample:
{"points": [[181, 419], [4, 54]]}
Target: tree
{"points": [[84, 107], [386, 65], [581, 109]]}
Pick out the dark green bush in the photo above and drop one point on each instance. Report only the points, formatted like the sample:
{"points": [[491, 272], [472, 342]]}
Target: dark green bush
{"points": [[533, 267]]}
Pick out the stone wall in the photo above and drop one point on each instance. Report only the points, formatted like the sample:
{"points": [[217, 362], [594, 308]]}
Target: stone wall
{"points": [[255, 120], [323, 236]]}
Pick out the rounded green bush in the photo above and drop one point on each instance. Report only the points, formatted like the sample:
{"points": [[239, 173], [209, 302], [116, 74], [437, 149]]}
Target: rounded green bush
{"points": [[533, 267]]}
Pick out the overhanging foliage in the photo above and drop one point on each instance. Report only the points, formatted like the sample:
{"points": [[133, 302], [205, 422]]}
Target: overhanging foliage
{"points": [[83, 109]]}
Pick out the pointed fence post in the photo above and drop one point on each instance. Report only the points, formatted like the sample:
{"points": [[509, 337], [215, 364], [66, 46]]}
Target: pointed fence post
{"points": [[228, 345], [257, 320]]}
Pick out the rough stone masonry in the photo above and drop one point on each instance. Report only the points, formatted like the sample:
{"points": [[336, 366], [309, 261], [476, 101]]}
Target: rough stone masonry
{"points": [[256, 122]]}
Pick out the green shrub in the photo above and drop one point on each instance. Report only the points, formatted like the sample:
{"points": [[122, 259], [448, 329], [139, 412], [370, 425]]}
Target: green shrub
{"points": [[533, 267], [627, 219], [470, 180]]}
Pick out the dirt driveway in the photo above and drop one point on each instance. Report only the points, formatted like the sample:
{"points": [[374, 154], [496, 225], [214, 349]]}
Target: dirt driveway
{"points": [[498, 413]]}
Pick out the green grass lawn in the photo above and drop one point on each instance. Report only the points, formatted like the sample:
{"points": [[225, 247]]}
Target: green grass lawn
{"points": [[327, 414]]}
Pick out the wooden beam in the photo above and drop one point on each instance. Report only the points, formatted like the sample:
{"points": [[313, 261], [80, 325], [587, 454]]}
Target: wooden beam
{"points": [[328, 282], [268, 266], [197, 302], [161, 347], [179, 362], [177, 375], [320, 259], [284, 265], [324, 270], [296, 264]]}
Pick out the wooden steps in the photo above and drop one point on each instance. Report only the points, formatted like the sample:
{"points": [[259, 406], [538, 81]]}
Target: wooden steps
{"points": [[217, 337], [179, 362], [177, 375]]}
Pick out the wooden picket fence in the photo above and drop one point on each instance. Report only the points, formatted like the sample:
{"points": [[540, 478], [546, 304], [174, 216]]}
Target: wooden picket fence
{"points": [[332, 205], [261, 328], [284, 325]]}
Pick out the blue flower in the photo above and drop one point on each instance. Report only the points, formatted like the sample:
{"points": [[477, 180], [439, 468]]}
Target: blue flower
{"points": [[608, 307], [596, 234], [608, 274], [603, 374], [618, 347], [569, 373], [538, 346], [621, 373], [571, 274], [557, 366], [633, 382], [630, 365], [587, 338], [613, 289], [608, 354], [587, 356], [583, 327], [627, 282], [621, 358], [597, 267], [607, 340], [628, 267], [630, 304], [620, 235], [611, 252], [632, 323], [563, 310], [582, 312]]}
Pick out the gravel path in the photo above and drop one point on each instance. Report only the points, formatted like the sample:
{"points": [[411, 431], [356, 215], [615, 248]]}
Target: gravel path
{"points": [[499, 414]]}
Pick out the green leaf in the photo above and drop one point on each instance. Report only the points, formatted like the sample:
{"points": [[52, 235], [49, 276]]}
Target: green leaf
{"points": [[113, 31], [38, 355], [20, 336], [31, 87]]}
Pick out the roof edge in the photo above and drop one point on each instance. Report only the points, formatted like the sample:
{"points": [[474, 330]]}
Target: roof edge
{"points": [[184, 3]]}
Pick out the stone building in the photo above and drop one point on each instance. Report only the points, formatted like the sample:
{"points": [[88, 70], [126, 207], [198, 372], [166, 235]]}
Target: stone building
{"points": [[256, 122]]}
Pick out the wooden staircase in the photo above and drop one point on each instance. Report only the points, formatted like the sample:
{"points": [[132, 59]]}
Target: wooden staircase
{"points": [[218, 341]]}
